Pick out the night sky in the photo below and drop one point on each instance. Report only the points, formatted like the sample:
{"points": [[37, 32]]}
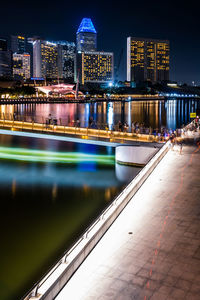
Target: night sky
{"points": [[176, 21]]}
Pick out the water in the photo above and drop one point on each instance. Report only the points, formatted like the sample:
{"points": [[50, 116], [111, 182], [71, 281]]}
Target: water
{"points": [[170, 114], [46, 206]]}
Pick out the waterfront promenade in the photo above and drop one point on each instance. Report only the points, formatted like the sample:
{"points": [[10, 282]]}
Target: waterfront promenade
{"points": [[152, 251]]}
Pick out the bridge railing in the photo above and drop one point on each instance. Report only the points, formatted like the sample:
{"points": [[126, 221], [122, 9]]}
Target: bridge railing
{"points": [[62, 125], [81, 132]]}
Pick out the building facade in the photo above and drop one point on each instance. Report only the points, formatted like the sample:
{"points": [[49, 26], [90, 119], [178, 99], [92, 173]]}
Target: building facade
{"points": [[86, 36], [21, 66], [45, 59], [5, 59], [3, 45], [66, 60], [18, 44], [95, 67], [147, 60]]}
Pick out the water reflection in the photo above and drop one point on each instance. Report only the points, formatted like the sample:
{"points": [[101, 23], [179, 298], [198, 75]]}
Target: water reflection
{"points": [[46, 206], [110, 115], [169, 114]]}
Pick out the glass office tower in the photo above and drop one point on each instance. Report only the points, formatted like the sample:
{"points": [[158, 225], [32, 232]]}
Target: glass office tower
{"points": [[86, 36], [45, 59], [66, 60], [5, 59], [18, 44], [21, 66]]}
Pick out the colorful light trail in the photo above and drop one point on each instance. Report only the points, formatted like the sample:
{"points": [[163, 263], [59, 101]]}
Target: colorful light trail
{"points": [[22, 154]]}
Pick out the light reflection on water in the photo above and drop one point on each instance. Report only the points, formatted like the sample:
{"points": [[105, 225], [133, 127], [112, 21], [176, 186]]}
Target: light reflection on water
{"points": [[170, 114], [46, 206]]}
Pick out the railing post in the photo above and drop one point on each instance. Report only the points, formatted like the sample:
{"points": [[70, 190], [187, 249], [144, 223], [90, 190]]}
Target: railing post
{"points": [[35, 292], [86, 235], [64, 259]]}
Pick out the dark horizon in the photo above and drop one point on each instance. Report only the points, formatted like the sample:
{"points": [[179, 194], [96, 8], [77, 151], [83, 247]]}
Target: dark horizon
{"points": [[171, 21]]}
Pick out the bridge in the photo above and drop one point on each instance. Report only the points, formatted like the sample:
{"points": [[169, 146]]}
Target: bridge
{"points": [[83, 134]]}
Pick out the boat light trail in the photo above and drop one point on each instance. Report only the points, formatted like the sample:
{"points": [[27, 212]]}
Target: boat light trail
{"points": [[31, 155]]}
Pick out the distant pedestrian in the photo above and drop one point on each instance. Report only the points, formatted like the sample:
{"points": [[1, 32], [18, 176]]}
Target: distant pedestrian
{"points": [[77, 122], [126, 127], [133, 127], [171, 142], [120, 126], [90, 121], [181, 147]]}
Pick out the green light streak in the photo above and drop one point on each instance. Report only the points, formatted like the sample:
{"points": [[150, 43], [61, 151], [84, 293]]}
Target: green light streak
{"points": [[31, 155]]}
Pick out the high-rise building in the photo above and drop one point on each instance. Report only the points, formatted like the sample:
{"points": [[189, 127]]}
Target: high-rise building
{"points": [[3, 45], [66, 60], [18, 44], [21, 66], [5, 59], [86, 36], [45, 59], [95, 67], [147, 59]]}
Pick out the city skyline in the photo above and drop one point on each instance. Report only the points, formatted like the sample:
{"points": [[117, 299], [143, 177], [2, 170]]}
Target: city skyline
{"points": [[178, 24]]}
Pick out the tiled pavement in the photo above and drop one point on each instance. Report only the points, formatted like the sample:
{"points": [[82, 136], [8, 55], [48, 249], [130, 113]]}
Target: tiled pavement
{"points": [[152, 251]]}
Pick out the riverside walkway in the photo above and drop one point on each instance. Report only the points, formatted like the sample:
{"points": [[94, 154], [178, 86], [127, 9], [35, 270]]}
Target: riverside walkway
{"points": [[152, 250]]}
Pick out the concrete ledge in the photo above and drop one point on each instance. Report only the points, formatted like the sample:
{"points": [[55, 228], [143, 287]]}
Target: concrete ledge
{"points": [[55, 280], [134, 155]]}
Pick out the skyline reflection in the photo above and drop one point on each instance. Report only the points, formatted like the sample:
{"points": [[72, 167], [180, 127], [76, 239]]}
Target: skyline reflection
{"points": [[170, 114]]}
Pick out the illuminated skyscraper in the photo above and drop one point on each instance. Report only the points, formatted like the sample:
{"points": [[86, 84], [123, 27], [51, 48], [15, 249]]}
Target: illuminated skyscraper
{"points": [[147, 59], [95, 67], [21, 66], [86, 36], [18, 44], [66, 59], [5, 59], [45, 59], [3, 45]]}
